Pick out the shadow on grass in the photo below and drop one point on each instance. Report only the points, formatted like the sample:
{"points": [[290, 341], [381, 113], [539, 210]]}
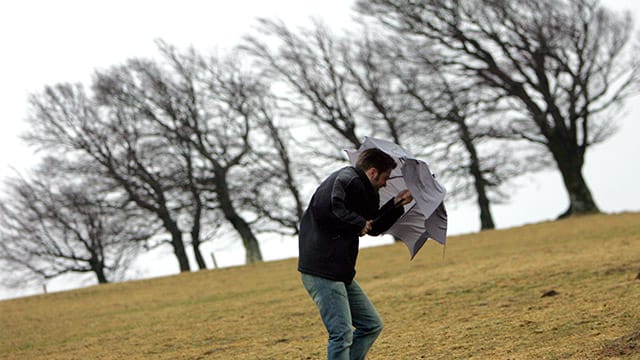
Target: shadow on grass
{"points": [[628, 345]]}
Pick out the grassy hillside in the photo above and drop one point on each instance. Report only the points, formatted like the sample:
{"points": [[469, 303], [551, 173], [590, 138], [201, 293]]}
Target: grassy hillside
{"points": [[484, 300]]}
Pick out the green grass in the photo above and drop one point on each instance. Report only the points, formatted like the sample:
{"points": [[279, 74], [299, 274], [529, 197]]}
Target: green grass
{"points": [[482, 301]]}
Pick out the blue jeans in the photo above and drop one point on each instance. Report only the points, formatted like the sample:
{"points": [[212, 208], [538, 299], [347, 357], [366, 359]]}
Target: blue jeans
{"points": [[343, 307]]}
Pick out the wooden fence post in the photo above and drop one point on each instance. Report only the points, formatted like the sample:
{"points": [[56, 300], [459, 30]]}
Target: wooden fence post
{"points": [[215, 263]]}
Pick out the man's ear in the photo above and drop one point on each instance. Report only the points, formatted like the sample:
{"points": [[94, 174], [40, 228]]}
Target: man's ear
{"points": [[371, 173]]}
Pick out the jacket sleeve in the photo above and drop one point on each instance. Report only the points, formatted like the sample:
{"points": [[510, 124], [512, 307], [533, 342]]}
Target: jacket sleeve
{"points": [[338, 206], [387, 216]]}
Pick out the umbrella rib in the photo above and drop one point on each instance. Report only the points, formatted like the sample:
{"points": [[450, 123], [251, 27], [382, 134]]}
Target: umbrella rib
{"points": [[407, 211]]}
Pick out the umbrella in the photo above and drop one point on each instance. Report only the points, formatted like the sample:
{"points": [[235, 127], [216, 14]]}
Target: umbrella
{"points": [[425, 217]]}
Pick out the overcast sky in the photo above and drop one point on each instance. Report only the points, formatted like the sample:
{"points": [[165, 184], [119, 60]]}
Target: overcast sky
{"points": [[46, 42]]}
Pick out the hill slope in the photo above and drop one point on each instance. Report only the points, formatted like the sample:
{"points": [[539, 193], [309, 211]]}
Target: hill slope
{"points": [[483, 300]]}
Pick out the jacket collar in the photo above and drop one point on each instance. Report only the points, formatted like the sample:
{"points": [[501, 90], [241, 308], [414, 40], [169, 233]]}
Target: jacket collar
{"points": [[365, 180]]}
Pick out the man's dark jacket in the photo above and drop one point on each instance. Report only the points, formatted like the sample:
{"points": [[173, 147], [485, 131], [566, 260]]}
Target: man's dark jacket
{"points": [[330, 227]]}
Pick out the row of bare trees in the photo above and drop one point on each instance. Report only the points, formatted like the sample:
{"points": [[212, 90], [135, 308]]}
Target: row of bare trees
{"points": [[558, 66], [178, 148]]}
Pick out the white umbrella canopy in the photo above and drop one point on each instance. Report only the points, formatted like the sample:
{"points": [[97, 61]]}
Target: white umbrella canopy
{"points": [[425, 217]]}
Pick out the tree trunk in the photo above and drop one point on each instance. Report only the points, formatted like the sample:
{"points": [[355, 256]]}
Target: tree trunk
{"points": [[480, 184], [570, 160], [249, 241], [97, 267], [580, 199], [102, 278], [486, 219], [178, 248], [195, 242]]}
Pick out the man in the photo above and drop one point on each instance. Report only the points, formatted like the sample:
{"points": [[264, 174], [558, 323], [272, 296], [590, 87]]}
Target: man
{"points": [[344, 207]]}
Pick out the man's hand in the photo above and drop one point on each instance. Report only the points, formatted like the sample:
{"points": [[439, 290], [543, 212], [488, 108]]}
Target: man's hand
{"points": [[366, 228], [403, 198]]}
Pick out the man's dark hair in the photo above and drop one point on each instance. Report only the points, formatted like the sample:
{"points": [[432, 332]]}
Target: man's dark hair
{"points": [[375, 158]]}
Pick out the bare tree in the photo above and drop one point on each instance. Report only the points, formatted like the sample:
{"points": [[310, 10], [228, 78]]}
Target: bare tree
{"points": [[139, 162], [52, 225], [561, 65], [478, 165], [314, 82], [180, 163], [371, 62], [330, 84], [276, 196], [210, 105], [394, 90], [333, 83]]}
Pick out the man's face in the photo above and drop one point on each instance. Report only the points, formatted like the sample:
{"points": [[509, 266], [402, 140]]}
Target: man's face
{"points": [[379, 179]]}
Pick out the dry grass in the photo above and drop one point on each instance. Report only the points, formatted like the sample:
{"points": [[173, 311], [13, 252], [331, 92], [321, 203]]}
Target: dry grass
{"points": [[484, 300]]}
